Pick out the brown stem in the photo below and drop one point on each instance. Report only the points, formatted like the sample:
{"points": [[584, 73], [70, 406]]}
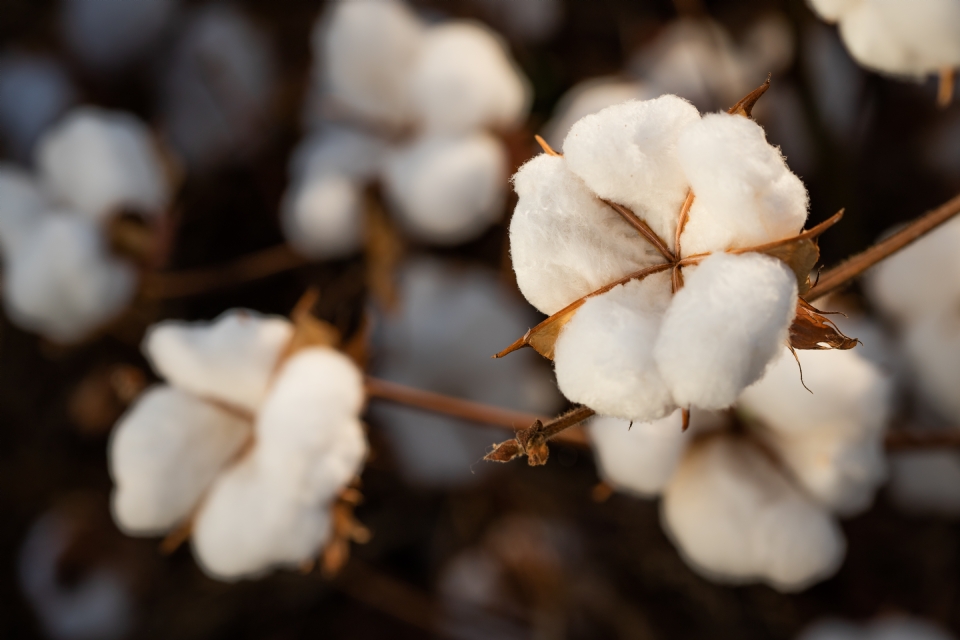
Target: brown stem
{"points": [[388, 595], [255, 266], [682, 220], [911, 439], [948, 78], [837, 277], [561, 423], [643, 229]]}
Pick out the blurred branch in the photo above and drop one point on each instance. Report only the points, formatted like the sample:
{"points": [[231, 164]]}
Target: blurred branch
{"points": [[840, 275], [388, 595], [912, 439]]}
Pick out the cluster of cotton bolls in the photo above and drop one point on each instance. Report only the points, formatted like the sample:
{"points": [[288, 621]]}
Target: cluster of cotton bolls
{"points": [[60, 277], [913, 38], [413, 107], [888, 628], [449, 321], [248, 443], [758, 502]]}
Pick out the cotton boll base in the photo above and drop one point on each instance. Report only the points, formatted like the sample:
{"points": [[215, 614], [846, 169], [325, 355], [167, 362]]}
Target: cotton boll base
{"points": [[447, 190]]}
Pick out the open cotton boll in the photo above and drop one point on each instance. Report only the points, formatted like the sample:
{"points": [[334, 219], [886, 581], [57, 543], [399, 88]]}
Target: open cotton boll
{"points": [[447, 190], [229, 359], [108, 36], [62, 283], [101, 162], [211, 117], [833, 10], [564, 242], [736, 519], [368, 49], [22, 204], [449, 320], [926, 482], [932, 348], [627, 153], [640, 458], [604, 355], [345, 150], [723, 328], [251, 523], [590, 96], [464, 80], [34, 91], [322, 216], [920, 280], [164, 453], [832, 439], [309, 436], [745, 194]]}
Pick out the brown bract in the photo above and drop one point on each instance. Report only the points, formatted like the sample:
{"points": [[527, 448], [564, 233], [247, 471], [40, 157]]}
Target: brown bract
{"points": [[811, 329]]}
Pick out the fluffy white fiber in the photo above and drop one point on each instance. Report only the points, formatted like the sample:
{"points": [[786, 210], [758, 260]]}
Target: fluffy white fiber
{"points": [[590, 96], [737, 519], [831, 439], [464, 80], [21, 204], [322, 216], [832, 10], [724, 327], [164, 453], [230, 359], [447, 190]]}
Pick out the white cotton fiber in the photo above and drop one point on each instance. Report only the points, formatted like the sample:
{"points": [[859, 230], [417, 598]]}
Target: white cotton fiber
{"points": [[230, 359], [447, 190], [924, 482], [322, 216], [61, 282], [564, 242], [745, 194], [164, 453], [22, 204], [250, 524], [590, 96], [736, 519], [348, 151], [368, 49], [641, 458], [832, 439], [604, 355], [101, 161], [833, 10], [464, 79], [34, 91], [723, 328], [932, 349], [309, 437], [627, 153]]}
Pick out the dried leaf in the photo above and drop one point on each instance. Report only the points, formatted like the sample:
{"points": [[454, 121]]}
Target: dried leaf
{"points": [[812, 330], [505, 451], [745, 106]]}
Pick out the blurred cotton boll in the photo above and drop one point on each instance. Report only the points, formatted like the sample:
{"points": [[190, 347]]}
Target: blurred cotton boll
{"points": [[527, 22], [22, 202], [217, 86], [108, 36], [34, 91], [450, 321], [888, 628]]}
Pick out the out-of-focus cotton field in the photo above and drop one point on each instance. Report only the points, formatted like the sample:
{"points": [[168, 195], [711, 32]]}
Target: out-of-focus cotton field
{"points": [[256, 259]]}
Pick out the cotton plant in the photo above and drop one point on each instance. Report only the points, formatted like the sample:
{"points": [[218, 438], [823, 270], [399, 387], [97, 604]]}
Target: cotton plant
{"points": [[61, 276], [249, 446], [412, 108], [755, 496], [885, 628], [905, 38]]}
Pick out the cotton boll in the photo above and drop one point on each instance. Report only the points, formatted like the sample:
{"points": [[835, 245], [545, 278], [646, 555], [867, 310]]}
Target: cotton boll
{"points": [[230, 359], [564, 242], [627, 153], [447, 190], [22, 203], [588, 97], [736, 519], [164, 453], [107, 36], [368, 49], [101, 162], [833, 10], [250, 524], [34, 91], [723, 328], [926, 482], [322, 216], [639, 458], [604, 355], [351, 152], [832, 439], [465, 80], [309, 436], [62, 283], [449, 321], [745, 194], [217, 87]]}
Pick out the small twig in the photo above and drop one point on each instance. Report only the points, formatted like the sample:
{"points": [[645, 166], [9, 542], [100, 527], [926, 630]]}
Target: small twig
{"points": [[913, 439], [546, 147], [682, 220], [644, 229], [837, 277], [532, 441]]}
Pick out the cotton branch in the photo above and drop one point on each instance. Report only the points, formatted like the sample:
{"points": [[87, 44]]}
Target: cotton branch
{"points": [[532, 441]]}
